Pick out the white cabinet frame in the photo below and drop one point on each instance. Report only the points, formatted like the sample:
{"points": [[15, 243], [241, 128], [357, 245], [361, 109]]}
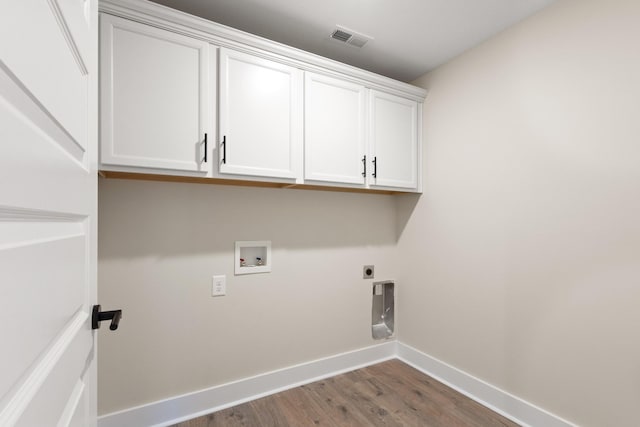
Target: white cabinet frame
{"points": [[154, 151], [394, 136], [335, 130], [258, 135]]}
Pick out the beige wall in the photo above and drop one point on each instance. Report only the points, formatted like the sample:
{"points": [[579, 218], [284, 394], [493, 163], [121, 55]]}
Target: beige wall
{"points": [[159, 245], [520, 264]]}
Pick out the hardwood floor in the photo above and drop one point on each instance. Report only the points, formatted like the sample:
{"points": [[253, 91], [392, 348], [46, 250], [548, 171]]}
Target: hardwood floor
{"points": [[387, 394]]}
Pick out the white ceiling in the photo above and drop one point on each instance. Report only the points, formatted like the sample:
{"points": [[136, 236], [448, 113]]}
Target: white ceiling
{"points": [[411, 37]]}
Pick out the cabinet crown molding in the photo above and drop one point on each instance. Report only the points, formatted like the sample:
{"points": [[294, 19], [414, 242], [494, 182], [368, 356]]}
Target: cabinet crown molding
{"points": [[149, 13]]}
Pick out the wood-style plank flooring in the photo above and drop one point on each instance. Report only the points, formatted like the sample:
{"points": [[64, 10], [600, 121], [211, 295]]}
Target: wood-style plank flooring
{"points": [[387, 394]]}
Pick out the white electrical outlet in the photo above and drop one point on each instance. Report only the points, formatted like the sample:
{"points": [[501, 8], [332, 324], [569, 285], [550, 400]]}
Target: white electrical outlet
{"points": [[219, 286]]}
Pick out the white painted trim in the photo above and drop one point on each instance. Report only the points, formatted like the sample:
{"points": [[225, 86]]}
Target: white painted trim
{"points": [[26, 105], [191, 405], [68, 36], [506, 404], [181, 408], [10, 213], [72, 405], [419, 165], [223, 36]]}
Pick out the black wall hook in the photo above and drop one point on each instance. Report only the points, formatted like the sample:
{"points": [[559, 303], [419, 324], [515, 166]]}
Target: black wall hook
{"points": [[99, 316]]}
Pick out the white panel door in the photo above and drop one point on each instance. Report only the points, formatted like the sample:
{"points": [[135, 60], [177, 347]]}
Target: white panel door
{"points": [[48, 159], [260, 116], [154, 96], [334, 130], [394, 141]]}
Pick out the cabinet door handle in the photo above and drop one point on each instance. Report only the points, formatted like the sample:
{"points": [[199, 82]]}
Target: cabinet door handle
{"points": [[375, 167], [364, 166], [224, 149], [205, 148]]}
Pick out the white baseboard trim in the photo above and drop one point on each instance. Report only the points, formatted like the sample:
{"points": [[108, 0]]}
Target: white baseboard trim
{"points": [[181, 408], [512, 407]]}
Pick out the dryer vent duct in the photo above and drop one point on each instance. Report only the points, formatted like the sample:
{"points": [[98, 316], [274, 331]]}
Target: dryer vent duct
{"points": [[350, 37]]}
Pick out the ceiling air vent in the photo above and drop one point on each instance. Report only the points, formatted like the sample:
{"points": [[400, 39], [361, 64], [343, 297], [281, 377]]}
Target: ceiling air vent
{"points": [[341, 36], [350, 37]]}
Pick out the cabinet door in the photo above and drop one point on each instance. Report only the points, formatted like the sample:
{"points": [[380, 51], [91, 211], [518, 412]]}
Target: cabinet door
{"points": [[334, 135], [260, 116], [394, 141], [155, 97]]}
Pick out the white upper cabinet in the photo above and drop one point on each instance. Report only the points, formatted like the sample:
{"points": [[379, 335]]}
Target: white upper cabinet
{"points": [[155, 99], [393, 133], [186, 97], [260, 128], [334, 130]]}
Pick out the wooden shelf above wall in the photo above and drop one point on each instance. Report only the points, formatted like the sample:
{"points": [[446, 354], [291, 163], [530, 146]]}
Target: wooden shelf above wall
{"points": [[236, 182]]}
